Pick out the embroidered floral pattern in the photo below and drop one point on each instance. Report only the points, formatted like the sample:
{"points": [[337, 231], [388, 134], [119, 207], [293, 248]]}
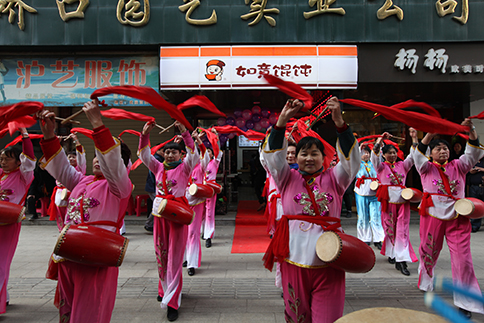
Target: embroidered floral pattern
{"points": [[429, 254], [391, 227], [395, 180], [170, 183], [294, 304], [4, 195], [74, 208], [161, 258], [323, 199], [441, 187]]}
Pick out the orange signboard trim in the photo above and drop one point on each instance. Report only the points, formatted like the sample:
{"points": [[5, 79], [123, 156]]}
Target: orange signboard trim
{"points": [[179, 52]]}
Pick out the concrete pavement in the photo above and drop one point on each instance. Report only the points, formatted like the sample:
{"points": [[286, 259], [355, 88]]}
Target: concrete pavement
{"points": [[227, 288]]}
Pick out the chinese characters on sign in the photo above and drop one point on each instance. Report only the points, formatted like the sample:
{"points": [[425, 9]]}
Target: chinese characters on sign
{"points": [[284, 70], [434, 59], [136, 13], [65, 81]]}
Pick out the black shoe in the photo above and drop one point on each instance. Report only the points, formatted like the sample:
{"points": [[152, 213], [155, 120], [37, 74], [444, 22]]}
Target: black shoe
{"points": [[191, 271], [34, 217], [466, 313], [172, 314], [159, 298], [474, 230], [402, 266], [185, 263], [149, 229], [378, 245], [282, 294], [348, 215], [208, 243], [391, 260]]}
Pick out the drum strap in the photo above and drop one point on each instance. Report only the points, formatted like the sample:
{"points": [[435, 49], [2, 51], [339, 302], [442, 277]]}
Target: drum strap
{"points": [[271, 210], [278, 249], [394, 174], [383, 196]]}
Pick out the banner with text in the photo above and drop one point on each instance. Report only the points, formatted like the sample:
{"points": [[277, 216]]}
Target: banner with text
{"points": [[243, 67]]}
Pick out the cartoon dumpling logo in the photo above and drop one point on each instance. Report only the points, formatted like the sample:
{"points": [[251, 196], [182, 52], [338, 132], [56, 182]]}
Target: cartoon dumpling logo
{"points": [[215, 69]]}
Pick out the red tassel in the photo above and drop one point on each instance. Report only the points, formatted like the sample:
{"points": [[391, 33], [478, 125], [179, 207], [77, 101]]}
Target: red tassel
{"points": [[419, 121], [213, 139], [200, 101], [119, 114], [19, 139], [478, 116], [291, 89], [133, 132], [147, 94], [85, 132]]}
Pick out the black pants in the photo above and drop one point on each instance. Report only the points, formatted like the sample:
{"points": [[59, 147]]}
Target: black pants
{"points": [[476, 191]]}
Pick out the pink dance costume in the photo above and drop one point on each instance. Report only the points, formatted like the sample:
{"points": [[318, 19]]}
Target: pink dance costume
{"points": [[193, 252], [211, 175], [395, 211], [313, 291], [94, 199], [170, 238], [13, 188], [442, 186]]}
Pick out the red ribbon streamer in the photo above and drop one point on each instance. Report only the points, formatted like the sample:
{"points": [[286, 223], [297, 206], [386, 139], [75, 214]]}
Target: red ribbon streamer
{"points": [[291, 89], [200, 101]]}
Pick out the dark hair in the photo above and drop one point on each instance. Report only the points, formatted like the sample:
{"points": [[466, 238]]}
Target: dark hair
{"points": [[173, 145], [366, 148], [12, 152], [308, 142], [437, 142], [125, 153], [72, 152], [291, 144], [387, 148]]}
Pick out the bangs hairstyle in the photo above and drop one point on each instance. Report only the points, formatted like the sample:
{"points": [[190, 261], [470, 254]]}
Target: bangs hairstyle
{"points": [[12, 152], [308, 142], [173, 145], [437, 142], [366, 148], [72, 152], [291, 144], [387, 149]]}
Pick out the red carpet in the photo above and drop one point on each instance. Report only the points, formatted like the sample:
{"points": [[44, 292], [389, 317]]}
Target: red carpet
{"points": [[250, 234]]}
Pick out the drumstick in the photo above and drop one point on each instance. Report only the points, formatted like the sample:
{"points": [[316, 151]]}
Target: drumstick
{"points": [[71, 121], [445, 284], [157, 125], [317, 119], [443, 309], [397, 137], [168, 128], [69, 118]]}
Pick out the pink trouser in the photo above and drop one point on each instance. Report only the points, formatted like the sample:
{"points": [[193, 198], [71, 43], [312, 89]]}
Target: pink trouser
{"points": [[457, 232], [313, 295], [194, 250], [86, 293], [396, 224], [8, 243], [209, 227], [170, 242]]}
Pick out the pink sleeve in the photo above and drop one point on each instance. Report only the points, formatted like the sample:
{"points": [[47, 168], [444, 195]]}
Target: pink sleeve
{"points": [[28, 148]]}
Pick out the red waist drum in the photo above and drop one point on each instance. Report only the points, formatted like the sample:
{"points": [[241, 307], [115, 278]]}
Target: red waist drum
{"points": [[90, 245], [176, 211], [412, 194], [345, 252], [470, 207], [201, 191], [216, 187], [11, 213]]}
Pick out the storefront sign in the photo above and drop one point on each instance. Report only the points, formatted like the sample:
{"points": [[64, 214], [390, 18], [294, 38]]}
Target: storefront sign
{"points": [[70, 81], [243, 67]]}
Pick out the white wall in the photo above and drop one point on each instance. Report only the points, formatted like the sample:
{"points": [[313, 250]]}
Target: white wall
{"points": [[477, 107]]}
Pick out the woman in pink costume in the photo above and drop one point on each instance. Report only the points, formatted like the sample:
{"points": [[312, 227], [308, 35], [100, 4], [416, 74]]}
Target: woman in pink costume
{"points": [[311, 199], [395, 211], [211, 176], [193, 253], [16, 174], [443, 184], [60, 195], [87, 293], [170, 238]]}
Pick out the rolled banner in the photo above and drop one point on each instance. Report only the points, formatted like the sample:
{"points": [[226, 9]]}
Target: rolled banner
{"points": [[443, 309]]}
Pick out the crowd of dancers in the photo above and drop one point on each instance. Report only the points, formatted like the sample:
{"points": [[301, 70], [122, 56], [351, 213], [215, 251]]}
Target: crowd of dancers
{"points": [[305, 192]]}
